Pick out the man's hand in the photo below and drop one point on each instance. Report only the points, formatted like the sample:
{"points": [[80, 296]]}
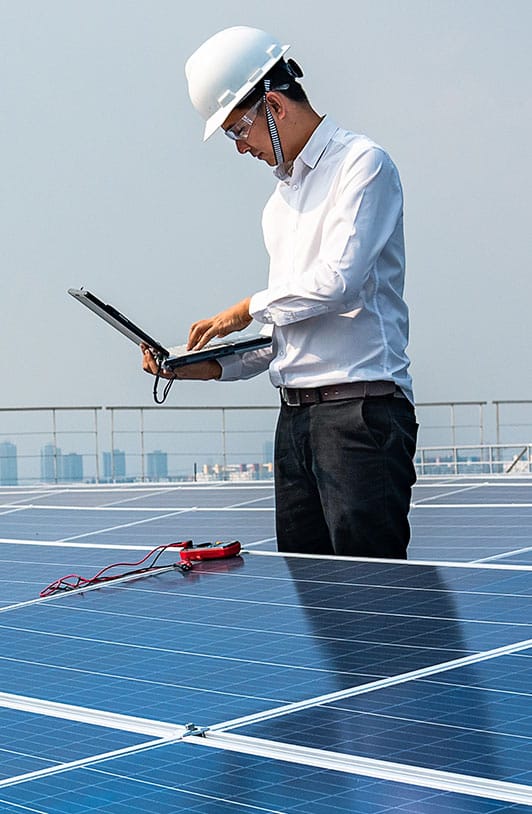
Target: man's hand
{"points": [[201, 371], [232, 319]]}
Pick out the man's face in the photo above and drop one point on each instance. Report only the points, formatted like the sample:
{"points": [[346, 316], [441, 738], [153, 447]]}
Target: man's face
{"points": [[255, 138]]}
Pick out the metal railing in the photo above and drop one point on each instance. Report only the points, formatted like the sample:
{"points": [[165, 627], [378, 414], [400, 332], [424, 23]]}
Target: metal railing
{"points": [[144, 443], [492, 459]]}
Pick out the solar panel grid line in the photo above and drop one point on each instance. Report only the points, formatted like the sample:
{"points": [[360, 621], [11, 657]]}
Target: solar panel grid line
{"points": [[157, 491], [155, 649], [88, 715], [59, 768], [354, 584], [13, 510], [147, 490], [123, 525], [381, 683], [280, 786], [505, 554], [116, 582], [132, 509], [258, 542], [472, 505], [219, 800], [38, 492], [243, 503], [71, 544], [460, 727], [137, 680], [354, 612], [447, 494], [10, 808], [18, 605], [369, 767], [248, 629], [428, 562], [339, 583], [18, 753]]}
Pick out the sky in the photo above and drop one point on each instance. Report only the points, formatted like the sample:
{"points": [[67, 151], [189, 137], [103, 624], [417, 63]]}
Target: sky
{"points": [[106, 184]]}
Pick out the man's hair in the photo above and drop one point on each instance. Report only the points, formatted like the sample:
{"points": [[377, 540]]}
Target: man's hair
{"points": [[282, 77]]}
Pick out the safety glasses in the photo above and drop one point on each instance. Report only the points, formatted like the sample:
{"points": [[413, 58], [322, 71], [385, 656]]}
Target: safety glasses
{"points": [[241, 129]]}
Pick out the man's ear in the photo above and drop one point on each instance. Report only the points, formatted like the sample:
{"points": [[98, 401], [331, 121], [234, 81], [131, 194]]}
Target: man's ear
{"points": [[277, 103]]}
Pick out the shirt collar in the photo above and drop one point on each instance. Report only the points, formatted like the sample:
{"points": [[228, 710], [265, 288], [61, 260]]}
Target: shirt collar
{"points": [[313, 149]]}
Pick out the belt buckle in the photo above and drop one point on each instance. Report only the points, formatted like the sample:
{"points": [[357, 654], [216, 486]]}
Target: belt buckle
{"points": [[291, 396]]}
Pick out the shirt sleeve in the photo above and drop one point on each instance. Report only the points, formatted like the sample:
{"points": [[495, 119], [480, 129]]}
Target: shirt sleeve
{"points": [[245, 365], [363, 216]]}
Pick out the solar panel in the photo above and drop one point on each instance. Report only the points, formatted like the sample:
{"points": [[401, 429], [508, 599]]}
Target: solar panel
{"points": [[261, 683], [181, 777]]}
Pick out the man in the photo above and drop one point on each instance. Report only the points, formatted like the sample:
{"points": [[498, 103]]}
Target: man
{"points": [[333, 228]]}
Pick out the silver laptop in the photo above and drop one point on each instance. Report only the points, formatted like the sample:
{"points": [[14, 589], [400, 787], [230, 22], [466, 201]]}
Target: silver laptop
{"points": [[174, 356]]}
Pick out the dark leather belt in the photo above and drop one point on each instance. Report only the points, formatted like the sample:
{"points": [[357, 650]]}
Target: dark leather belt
{"points": [[299, 396]]}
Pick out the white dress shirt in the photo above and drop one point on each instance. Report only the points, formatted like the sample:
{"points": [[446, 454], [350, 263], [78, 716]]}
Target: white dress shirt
{"points": [[334, 233]]}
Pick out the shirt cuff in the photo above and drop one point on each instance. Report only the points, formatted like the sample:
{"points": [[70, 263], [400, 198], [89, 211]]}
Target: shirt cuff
{"points": [[231, 367], [258, 307]]}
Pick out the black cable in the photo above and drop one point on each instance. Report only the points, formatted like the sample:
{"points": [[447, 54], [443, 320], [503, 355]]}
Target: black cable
{"points": [[167, 386]]}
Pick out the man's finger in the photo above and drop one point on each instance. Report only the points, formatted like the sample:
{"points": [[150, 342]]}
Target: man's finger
{"points": [[205, 337], [197, 332]]}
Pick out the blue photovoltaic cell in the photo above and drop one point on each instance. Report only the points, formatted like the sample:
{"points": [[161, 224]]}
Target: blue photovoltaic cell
{"points": [[521, 558], [469, 534], [468, 721], [223, 495], [185, 777], [489, 494], [26, 569], [51, 525], [133, 528], [30, 742], [245, 526]]}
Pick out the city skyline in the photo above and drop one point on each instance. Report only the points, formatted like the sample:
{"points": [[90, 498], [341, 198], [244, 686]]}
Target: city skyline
{"points": [[57, 467]]}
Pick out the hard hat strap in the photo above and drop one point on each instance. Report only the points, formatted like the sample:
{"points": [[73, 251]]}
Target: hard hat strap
{"points": [[272, 127]]}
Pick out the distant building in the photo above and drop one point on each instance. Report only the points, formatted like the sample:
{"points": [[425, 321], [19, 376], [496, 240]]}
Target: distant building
{"points": [[267, 452], [72, 467], [51, 463], [157, 465], [8, 464], [114, 465]]}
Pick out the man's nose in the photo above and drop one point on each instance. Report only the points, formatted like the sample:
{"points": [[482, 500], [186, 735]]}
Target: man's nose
{"points": [[242, 146]]}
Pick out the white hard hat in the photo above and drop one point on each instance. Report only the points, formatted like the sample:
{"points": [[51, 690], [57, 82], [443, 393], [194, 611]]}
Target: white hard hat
{"points": [[226, 68]]}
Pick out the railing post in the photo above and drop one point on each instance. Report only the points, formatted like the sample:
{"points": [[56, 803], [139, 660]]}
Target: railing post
{"points": [[97, 446], [143, 468], [112, 443], [224, 447], [453, 425], [54, 437]]}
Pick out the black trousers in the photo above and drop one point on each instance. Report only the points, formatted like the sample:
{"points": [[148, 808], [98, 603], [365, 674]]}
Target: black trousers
{"points": [[343, 477]]}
